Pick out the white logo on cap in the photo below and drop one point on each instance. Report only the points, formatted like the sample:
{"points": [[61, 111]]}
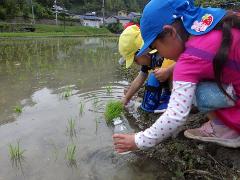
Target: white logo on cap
{"points": [[201, 26]]}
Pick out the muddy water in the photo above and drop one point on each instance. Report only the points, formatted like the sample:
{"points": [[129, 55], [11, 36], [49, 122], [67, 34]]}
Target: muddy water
{"points": [[54, 81]]}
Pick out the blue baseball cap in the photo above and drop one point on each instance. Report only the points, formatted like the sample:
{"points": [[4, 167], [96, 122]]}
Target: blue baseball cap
{"points": [[158, 13]]}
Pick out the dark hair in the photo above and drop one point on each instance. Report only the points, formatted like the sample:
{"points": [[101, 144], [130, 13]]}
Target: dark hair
{"points": [[231, 20], [179, 28]]}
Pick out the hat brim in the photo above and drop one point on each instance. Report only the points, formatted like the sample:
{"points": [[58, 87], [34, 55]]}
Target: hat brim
{"points": [[145, 49], [129, 60]]}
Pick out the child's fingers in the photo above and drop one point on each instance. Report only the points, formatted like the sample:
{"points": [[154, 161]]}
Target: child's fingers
{"points": [[118, 136], [124, 142], [119, 141], [120, 146], [121, 136]]}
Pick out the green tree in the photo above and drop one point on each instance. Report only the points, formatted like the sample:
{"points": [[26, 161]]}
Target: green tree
{"points": [[115, 27], [41, 11], [12, 9], [132, 5], [2, 13], [115, 5]]}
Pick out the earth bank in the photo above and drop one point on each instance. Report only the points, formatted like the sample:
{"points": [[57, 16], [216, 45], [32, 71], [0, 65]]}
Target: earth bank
{"points": [[185, 158]]}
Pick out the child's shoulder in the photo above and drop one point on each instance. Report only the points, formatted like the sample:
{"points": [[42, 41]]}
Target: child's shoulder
{"points": [[209, 42]]}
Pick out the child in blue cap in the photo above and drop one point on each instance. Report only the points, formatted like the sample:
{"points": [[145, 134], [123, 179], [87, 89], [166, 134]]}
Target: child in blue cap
{"points": [[205, 42]]}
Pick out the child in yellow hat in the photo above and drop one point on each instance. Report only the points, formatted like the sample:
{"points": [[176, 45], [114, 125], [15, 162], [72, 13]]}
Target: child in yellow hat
{"points": [[130, 42]]}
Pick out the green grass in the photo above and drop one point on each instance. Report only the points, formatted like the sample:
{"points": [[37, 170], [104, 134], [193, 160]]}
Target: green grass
{"points": [[16, 153], [71, 154], [18, 109], [71, 128], [76, 29], [109, 90], [81, 109], [97, 121], [113, 110], [67, 92], [53, 30]]}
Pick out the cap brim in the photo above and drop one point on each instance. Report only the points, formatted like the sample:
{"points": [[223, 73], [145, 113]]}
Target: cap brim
{"points": [[129, 60], [145, 49]]}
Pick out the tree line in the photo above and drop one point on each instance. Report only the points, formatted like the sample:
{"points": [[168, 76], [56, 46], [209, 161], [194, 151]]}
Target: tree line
{"points": [[43, 8]]}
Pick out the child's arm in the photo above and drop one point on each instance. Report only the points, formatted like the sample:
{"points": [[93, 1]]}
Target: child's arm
{"points": [[134, 87], [175, 116]]}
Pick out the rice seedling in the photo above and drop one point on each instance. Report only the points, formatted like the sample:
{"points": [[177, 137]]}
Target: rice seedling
{"points": [[113, 110], [109, 90], [95, 102], [71, 155], [97, 120], [16, 153], [81, 109], [18, 109], [67, 93], [71, 128]]}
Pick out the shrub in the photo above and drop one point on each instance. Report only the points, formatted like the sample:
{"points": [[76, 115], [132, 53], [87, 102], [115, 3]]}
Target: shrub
{"points": [[115, 27], [2, 13], [41, 12]]}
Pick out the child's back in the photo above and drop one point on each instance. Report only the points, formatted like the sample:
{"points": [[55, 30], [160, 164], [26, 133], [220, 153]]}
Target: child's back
{"points": [[201, 51], [195, 65]]}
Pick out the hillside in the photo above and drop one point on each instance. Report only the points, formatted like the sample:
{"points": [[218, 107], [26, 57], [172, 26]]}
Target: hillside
{"points": [[42, 8]]}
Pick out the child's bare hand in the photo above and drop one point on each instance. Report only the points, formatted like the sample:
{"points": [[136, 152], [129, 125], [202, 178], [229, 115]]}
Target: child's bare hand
{"points": [[162, 74], [124, 101], [124, 142]]}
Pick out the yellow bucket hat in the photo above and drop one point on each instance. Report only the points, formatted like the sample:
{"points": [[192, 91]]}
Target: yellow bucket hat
{"points": [[130, 41]]}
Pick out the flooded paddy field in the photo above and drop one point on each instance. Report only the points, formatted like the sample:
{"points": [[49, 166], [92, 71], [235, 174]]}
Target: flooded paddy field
{"points": [[52, 98]]}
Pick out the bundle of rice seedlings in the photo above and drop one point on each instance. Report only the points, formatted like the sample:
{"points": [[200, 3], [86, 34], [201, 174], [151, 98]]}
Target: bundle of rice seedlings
{"points": [[113, 110]]}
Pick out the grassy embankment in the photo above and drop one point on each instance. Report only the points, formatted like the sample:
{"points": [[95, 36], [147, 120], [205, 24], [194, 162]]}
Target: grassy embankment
{"points": [[53, 30]]}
